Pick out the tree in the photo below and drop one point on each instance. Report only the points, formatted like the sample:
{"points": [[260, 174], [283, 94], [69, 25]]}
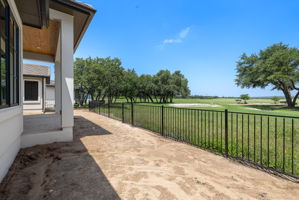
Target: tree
{"points": [[113, 78], [245, 98], [98, 78], [81, 91], [105, 78], [275, 99], [146, 87], [275, 66], [130, 90], [168, 85], [181, 84]]}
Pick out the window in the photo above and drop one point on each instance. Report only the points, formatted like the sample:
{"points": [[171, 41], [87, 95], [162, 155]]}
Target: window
{"points": [[3, 90], [31, 91], [9, 58]]}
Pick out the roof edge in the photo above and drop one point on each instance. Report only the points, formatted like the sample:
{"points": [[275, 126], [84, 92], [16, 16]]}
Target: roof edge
{"points": [[76, 5], [81, 7]]}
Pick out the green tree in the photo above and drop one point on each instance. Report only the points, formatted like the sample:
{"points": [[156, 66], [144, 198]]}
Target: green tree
{"points": [[245, 98], [98, 78], [130, 90], [277, 66], [113, 78], [275, 99], [105, 78], [168, 85], [81, 90], [181, 84], [146, 87]]}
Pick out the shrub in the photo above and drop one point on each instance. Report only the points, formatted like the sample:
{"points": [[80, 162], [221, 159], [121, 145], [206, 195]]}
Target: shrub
{"points": [[245, 98]]}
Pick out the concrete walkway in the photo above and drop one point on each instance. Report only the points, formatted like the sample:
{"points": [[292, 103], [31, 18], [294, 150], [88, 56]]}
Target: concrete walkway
{"points": [[111, 160]]}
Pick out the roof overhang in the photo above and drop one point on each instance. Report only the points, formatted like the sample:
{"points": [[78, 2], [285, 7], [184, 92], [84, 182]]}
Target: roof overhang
{"points": [[35, 17], [83, 14], [34, 13]]}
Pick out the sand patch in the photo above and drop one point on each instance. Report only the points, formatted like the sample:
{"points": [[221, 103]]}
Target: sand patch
{"points": [[190, 105]]}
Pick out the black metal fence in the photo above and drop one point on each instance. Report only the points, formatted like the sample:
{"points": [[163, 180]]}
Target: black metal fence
{"points": [[270, 141]]}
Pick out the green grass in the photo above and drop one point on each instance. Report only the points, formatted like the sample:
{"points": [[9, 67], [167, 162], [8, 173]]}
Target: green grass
{"points": [[266, 106]]}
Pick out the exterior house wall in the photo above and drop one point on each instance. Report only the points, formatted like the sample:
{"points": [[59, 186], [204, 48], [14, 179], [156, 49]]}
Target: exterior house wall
{"points": [[11, 119], [50, 97], [34, 105], [50, 93]]}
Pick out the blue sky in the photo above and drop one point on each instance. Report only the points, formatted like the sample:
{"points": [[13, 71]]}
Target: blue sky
{"points": [[202, 38]]}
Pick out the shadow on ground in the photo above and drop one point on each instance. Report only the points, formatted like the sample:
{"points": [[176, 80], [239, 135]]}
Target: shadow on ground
{"points": [[57, 171]]}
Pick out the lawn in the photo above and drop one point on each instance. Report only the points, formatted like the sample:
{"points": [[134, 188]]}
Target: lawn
{"points": [[257, 105], [265, 106]]}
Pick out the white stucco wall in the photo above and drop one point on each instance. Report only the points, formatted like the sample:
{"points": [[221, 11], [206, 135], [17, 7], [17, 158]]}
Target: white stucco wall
{"points": [[64, 68], [50, 97], [11, 127], [50, 93], [11, 119]]}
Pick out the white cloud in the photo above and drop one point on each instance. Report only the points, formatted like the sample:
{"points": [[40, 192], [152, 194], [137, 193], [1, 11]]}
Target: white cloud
{"points": [[169, 41], [182, 35]]}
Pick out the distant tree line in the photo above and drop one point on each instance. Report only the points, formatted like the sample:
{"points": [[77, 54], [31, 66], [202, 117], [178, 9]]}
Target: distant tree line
{"points": [[105, 79], [201, 97]]}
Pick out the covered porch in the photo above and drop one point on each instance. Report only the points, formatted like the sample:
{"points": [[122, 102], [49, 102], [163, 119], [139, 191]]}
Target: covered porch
{"points": [[52, 35]]}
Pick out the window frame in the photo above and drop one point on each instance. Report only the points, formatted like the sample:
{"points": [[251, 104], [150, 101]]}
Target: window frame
{"points": [[12, 67], [38, 91]]}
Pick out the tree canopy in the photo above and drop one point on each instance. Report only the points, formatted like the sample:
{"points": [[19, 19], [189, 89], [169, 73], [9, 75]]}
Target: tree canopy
{"points": [[105, 78], [245, 98], [277, 65]]}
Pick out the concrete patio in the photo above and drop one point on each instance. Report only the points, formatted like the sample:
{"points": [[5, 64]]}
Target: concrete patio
{"points": [[110, 160], [37, 122]]}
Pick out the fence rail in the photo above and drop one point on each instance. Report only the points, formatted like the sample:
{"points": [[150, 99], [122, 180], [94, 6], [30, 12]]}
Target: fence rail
{"points": [[270, 141]]}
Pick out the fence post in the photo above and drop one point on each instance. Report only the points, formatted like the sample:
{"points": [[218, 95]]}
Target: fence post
{"points": [[108, 109], [123, 112], [226, 131], [162, 120], [132, 114]]}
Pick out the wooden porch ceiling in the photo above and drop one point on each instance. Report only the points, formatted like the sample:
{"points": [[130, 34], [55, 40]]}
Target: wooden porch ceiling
{"points": [[41, 41]]}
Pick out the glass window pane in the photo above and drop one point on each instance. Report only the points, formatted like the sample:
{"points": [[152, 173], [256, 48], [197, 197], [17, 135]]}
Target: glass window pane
{"points": [[11, 59], [11, 78], [3, 76], [9, 55], [31, 90], [3, 80], [16, 67]]}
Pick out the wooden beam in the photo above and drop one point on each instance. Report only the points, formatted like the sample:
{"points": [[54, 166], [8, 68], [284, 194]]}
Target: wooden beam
{"points": [[38, 57]]}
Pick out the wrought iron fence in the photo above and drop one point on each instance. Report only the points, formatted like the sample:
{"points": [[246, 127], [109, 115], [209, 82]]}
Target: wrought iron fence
{"points": [[270, 141]]}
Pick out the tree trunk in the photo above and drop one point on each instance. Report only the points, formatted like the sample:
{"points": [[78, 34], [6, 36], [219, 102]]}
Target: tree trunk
{"points": [[295, 99], [288, 97]]}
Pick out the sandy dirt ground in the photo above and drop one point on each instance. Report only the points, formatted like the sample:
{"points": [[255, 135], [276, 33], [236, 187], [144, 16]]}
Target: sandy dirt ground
{"points": [[110, 160]]}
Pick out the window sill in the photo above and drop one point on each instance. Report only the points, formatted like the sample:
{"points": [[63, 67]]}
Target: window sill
{"points": [[32, 102]]}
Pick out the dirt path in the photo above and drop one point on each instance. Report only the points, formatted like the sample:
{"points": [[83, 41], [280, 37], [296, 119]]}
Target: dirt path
{"points": [[111, 160]]}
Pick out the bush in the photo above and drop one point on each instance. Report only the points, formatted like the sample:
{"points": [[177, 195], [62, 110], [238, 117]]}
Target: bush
{"points": [[275, 99], [245, 98]]}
